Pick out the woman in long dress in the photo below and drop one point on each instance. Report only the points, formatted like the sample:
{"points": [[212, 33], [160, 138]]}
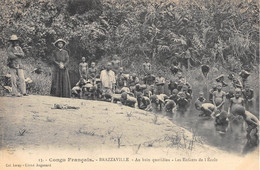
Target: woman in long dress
{"points": [[60, 86]]}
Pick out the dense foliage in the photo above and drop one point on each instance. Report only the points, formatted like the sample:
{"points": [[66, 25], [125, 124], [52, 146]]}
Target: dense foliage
{"points": [[203, 31]]}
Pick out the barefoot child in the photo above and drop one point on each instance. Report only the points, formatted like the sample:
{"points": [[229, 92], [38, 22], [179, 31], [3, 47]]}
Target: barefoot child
{"points": [[207, 109], [116, 63], [83, 68], [248, 95], [214, 88], [182, 103], [219, 97], [147, 67], [252, 129], [78, 88], [92, 72], [236, 123], [159, 81]]}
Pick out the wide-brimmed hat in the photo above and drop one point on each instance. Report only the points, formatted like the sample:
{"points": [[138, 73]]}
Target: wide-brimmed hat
{"points": [[60, 40], [13, 38], [220, 78], [244, 74]]}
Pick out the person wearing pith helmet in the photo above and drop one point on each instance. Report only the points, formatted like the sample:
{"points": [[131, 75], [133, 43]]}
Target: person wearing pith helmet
{"points": [[60, 86], [15, 55]]}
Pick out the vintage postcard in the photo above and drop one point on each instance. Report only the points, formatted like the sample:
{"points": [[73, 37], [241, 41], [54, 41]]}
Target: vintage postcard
{"points": [[129, 84]]}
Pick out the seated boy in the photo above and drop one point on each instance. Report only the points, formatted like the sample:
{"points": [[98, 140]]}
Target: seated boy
{"points": [[78, 88], [127, 100]]}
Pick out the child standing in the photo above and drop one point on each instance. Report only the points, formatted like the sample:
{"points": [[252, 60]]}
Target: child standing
{"points": [[83, 68], [92, 73], [248, 95], [219, 97], [147, 67], [159, 81]]}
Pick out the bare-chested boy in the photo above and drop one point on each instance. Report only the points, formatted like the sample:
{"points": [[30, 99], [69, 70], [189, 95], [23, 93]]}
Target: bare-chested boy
{"points": [[211, 91], [237, 100], [236, 121], [92, 72], [83, 69], [252, 129], [248, 95], [219, 97], [116, 63], [147, 67]]}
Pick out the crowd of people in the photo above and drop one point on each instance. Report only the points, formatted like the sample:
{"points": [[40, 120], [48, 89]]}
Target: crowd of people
{"points": [[147, 91]]}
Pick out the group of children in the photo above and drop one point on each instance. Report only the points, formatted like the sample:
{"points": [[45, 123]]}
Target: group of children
{"points": [[239, 100], [147, 93]]}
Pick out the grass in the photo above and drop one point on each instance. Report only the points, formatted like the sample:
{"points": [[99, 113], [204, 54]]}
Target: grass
{"points": [[42, 82]]}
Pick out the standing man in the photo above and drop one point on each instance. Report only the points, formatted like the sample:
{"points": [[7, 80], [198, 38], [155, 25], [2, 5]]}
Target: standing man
{"points": [[108, 80], [15, 55]]}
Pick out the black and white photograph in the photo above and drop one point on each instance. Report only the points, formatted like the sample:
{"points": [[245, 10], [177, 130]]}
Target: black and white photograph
{"points": [[129, 84]]}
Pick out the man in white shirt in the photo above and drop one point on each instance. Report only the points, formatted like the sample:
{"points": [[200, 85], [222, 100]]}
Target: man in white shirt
{"points": [[108, 80]]}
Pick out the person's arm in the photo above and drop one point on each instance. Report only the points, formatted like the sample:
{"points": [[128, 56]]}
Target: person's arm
{"points": [[213, 98], [243, 102], [54, 59], [156, 80], [137, 80], [223, 99], [251, 95], [10, 53], [80, 70], [113, 82], [66, 58], [231, 104], [143, 68], [19, 52], [163, 81]]}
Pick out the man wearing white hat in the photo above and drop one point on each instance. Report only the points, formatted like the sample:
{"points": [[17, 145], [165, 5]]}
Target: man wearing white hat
{"points": [[15, 55]]}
